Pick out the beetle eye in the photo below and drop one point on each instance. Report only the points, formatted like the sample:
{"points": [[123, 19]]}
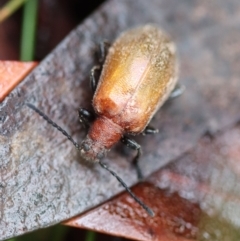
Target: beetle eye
{"points": [[85, 147]]}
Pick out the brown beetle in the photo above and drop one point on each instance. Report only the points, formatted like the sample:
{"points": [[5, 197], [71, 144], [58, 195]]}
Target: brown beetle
{"points": [[137, 77]]}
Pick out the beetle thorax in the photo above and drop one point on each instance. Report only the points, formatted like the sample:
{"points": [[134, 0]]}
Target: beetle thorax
{"points": [[102, 135]]}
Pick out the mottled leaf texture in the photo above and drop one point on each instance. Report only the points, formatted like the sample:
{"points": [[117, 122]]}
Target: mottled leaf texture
{"points": [[43, 179]]}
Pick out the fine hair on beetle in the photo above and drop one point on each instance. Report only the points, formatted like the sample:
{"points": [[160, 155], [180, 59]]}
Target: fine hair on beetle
{"points": [[138, 73]]}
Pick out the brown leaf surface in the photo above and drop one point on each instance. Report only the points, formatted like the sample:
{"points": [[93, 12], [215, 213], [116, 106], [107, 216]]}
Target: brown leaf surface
{"points": [[42, 182], [123, 217], [194, 198]]}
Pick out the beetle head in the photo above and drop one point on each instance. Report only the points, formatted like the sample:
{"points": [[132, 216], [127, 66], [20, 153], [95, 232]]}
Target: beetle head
{"points": [[91, 150]]}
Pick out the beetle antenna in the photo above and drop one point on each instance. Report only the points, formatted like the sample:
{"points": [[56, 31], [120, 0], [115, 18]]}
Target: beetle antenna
{"points": [[149, 210], [103, 165], [45, 117]]}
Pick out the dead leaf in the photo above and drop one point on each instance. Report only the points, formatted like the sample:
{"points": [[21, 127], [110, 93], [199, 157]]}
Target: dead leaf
{"points": [[42, 182], [12, 73], [194, 198]]}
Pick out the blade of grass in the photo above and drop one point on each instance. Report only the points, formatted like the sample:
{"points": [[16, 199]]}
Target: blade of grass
{"points": [[59, 233], [90, 236], [28, 30], [9, 8]]}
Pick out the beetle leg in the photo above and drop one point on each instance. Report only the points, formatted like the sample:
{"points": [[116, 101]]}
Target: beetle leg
{"points": [[85, 117], [103, 53], [178, 90], [149, 130], [135, 146], [93, 80], [104, 46]]}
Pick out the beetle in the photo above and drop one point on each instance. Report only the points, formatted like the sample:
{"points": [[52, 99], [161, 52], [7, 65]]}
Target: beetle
{"points": [[138, 75]]}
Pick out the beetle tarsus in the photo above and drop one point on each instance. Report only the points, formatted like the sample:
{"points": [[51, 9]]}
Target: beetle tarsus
{"points": [[149, 130], [177, 91], [135, 146], [93, 79], [103, 46], [136, 165]]}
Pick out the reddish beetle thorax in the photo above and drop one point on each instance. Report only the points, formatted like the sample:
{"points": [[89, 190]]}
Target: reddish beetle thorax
{"points": [[102, 135]]}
